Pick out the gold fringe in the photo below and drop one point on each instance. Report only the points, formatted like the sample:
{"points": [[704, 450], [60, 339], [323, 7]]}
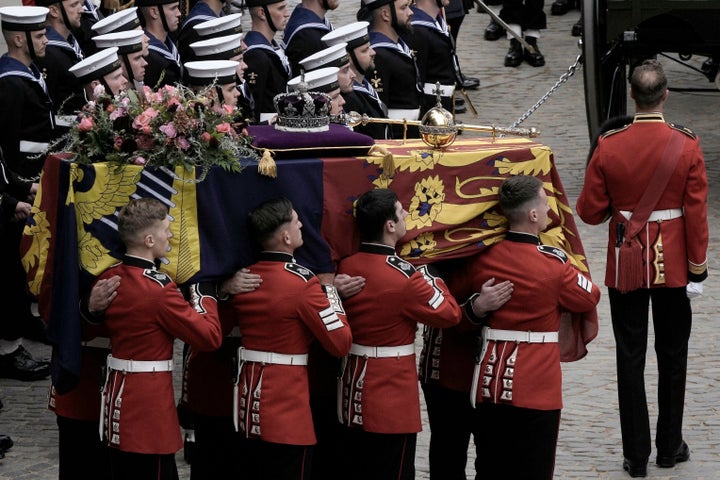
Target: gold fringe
{"points": [[388, 164], [266, 165]]}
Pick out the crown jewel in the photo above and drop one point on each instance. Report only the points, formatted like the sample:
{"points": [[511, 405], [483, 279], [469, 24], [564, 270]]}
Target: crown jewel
{"points": [[302, 111]]}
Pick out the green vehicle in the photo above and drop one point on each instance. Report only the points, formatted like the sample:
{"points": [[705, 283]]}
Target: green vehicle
{"points": [[618, 34]]}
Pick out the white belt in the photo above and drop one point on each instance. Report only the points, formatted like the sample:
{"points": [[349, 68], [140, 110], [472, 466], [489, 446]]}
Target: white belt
{"points": [[27, 146], [245, 355], [658, 215], [97, 342], [403, 113], [445, 90], [139, 366], [266, 117], [382, 352], [518, 336]]}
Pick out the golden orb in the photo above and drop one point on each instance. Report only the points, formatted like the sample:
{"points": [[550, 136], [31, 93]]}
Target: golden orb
{"points": [[437, 127]]}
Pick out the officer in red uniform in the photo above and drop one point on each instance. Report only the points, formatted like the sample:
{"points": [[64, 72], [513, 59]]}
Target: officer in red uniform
{"points": [[516, 384], [674, 244], [380, 397], [139, 419], [278, 322]]}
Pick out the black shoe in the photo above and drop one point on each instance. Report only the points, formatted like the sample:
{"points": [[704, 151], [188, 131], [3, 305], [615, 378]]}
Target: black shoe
{"points": [[6, 442], [533, 59], [36, 330], [669, 461], [470, 83], [459, 105], [710, 68], [20, 365], [514, 55], [577, 28], [635, 470], [493, 31], [560, 7]]}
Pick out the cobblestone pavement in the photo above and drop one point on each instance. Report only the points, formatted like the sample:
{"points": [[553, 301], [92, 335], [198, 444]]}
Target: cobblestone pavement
{"points": [[589, 443]]}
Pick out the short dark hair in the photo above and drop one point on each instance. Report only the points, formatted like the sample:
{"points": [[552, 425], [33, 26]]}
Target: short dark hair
{"points": [[137, 216], [372, 210], [515, 194], [648, 84], [266, 218]]}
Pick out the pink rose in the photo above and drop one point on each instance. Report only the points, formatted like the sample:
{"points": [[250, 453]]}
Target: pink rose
{"points": [[223, 127], [142, 123], [182, 143], [117, 144], [139, 161], [205, 137], [169, 130], [86, 124], [117, 113]]}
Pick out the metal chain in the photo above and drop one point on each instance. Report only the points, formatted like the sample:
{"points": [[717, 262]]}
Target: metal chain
{"points": [[563, 78]]}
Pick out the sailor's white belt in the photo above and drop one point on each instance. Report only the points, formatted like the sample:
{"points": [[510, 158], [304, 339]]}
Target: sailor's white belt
{"points": [[139, 366], [27, 146], [65, 120], [445, 90], [97, 342], [382, 352], [403, 113], [266, 117], [658, 215], [245, 355], [518, 336]]}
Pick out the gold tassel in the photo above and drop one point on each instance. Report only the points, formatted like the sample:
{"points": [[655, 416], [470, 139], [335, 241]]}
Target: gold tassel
{"points": [[388, 164], [266, 165]]}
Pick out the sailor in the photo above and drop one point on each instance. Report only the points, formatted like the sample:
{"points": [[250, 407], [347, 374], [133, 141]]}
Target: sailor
{"points": [[161, 18], [130, 50], [213, 28], [396, 76], [221, 72], [268, 68], [324, 80], [364, 99], [119, 22], [334, 56], [304, 31], [101, 69], [62, 52], [26, 124]]}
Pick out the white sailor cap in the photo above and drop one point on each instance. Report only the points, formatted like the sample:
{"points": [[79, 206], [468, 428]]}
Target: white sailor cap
{"points": [[335, 56], [129, 41], [23, 19], [117, 22], [204, 72], [221, 26], [96, 66], [220, 48], [354, 34], [322, 80]]}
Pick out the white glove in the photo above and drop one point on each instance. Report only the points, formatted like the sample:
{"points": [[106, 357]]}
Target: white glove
{"points": [[694, 289]]}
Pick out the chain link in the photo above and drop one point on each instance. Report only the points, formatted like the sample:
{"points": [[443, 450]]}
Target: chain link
{"points": [[563, 78]]}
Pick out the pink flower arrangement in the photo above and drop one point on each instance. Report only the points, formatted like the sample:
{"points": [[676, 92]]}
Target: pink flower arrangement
{"points": [[169, 127]]}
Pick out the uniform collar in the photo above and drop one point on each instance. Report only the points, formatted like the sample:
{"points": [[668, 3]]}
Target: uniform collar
{"points": [[521, 237], [649, 117], [378, 248], [134, 261], [276, 257]]}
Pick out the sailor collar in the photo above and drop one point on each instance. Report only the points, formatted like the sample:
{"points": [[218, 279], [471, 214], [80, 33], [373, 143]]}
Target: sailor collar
{"points": [[377, 248], [267, 256], [521, 237]]}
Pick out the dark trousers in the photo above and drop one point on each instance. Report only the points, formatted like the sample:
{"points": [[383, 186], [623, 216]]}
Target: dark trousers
{"points": [[452, 421], [142, 466], [518, 442], [216, 447], [528, 14], [81, 452], [330, 456], [14, 295], [261, 460], [672, 320], [380, 456]]}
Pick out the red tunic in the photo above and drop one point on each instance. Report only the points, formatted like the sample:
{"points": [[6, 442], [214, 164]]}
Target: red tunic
{"points": [[284, 315], [545, 285], [674, 251], [381, 394], [145, 318]]}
